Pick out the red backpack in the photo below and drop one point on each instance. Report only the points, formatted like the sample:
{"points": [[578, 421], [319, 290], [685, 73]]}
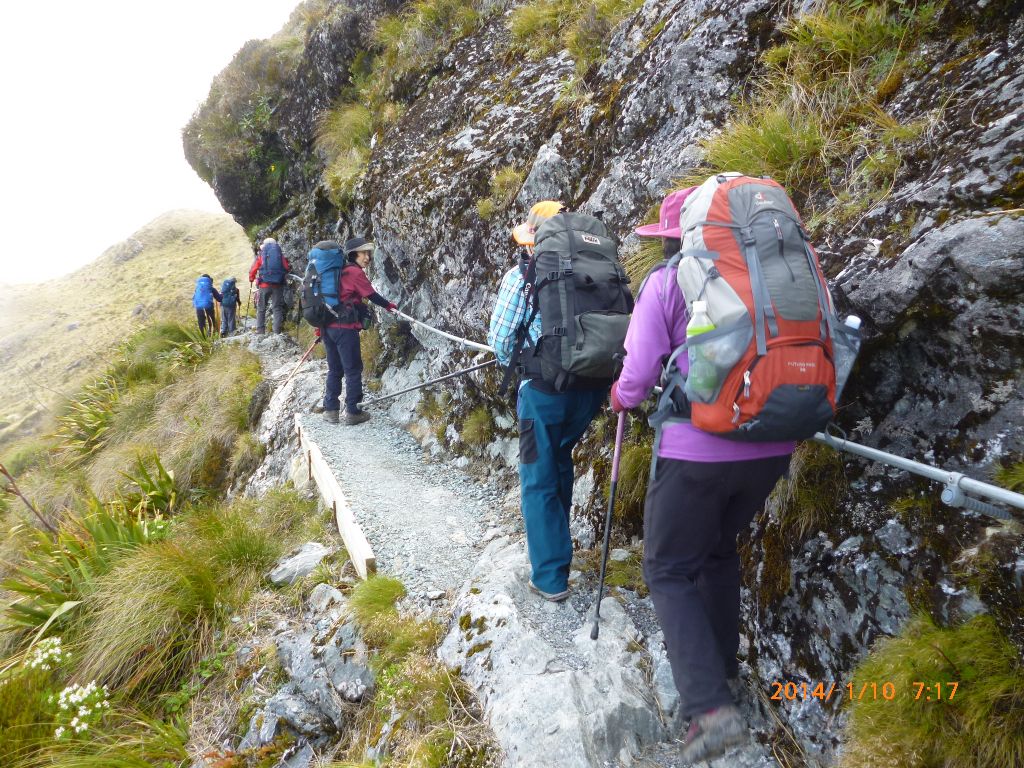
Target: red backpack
{"points": [[766, 372]]}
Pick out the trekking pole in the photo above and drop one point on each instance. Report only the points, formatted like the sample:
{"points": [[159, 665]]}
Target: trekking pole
{"points": [[439, 332], [296, 370], [619, 432], [247, 303], [428, 383]]}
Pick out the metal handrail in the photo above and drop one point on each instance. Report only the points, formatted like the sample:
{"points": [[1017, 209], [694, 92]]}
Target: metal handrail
{"points": [[956, 485]]}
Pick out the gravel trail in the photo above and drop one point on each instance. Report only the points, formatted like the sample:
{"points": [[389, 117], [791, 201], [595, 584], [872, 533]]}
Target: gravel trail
{"points": [[426, 521]]}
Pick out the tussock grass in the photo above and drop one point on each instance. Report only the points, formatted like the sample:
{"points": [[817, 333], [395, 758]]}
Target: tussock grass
{"points": [[982, 725], [26, 455], [631, 492], [650, 253], [1011, 477], [809, 499], [152, 618], [478, 428], [505, 185], [234, 540], [246, 457], [131, 740], [343, 138], [542, 27], [418, 36], [25, 716], [374, 597], [194, 423], [820, 102]]}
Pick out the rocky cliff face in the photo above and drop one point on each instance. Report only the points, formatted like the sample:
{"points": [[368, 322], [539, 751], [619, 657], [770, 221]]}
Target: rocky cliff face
{"points": [[935, 267]]}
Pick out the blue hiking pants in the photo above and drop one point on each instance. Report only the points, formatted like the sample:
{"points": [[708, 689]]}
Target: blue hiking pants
{"points": [[550, 425], [343, 359]]}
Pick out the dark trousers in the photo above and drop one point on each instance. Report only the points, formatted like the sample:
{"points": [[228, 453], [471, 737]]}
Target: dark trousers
{"points": [[204, 316], [343, 358], [550, 425], [227, 319], [693, 513], [274, 295]]}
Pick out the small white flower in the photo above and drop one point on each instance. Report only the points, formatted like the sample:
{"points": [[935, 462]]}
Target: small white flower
{"points": [[59, 732]]}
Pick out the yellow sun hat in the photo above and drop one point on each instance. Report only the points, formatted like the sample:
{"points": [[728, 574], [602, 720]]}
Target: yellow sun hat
{"points": [[539, 213]]}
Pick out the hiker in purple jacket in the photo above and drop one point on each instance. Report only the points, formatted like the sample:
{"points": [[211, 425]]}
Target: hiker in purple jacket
{"points": [[706, 490]]}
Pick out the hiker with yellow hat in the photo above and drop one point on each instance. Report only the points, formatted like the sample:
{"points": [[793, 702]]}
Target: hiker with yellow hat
{"points": [[551, 422]]}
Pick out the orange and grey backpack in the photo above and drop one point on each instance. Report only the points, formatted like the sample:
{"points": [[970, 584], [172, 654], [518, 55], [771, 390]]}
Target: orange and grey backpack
{"points": [[745, 253]]}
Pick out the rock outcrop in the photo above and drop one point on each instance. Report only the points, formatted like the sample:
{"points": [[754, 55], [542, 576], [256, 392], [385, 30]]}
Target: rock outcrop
{"points": [[935, 267]]}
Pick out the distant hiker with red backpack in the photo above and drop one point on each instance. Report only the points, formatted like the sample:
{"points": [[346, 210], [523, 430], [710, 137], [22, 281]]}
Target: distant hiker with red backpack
{"points": [[743, 317], [230, 301], [202, 300], [559, 319], [332, 301], [272, 268]]}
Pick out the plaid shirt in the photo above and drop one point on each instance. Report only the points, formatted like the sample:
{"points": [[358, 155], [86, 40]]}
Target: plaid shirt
{"points": [[510, 312]]}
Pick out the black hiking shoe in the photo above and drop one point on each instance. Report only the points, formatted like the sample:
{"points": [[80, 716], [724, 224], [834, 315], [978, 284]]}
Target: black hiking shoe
{"points": [[331, 417], [713, 732], [554, 597], [351, 419]]}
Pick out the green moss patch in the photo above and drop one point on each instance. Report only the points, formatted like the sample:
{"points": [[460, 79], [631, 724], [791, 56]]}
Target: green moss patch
{"points": [[975, 716]]}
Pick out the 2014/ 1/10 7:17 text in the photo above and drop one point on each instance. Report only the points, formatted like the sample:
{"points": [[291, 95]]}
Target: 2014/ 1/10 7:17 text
{"points": [[887, 691]]}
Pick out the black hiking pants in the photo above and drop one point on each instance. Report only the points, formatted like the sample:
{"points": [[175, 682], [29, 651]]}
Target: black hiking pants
{"points": [[343, 359], [206, 317], [693, 513]]}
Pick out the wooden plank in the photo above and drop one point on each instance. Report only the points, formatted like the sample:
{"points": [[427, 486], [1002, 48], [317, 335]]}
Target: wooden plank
{"points": [[359, 549]]}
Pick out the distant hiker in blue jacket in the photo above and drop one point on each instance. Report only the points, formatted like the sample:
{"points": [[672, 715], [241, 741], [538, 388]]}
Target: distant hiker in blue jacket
{"points": [[202, 299], [272, 268]]}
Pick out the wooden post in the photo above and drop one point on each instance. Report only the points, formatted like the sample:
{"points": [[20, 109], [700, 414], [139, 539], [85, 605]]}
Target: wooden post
{"points": [[359, 549]]}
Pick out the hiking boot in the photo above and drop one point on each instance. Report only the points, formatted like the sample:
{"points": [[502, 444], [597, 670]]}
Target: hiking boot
{"points": [[331, 417], [351, 419], [554, 597], [712, 732]]}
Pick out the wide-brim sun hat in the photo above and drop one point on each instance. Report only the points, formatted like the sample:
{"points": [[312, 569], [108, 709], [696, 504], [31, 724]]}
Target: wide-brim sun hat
{"points": [[668, 217], [539, 213], [356, 244]]}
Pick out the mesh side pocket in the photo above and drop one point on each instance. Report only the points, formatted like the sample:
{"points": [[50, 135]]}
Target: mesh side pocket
{"points": [[712, 356]]}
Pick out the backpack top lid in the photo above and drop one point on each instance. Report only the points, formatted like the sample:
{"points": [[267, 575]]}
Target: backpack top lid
{"points": [[326, 255], [587, 232]]}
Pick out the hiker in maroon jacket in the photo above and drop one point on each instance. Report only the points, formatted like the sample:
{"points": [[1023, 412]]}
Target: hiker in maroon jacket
{"points": [[341, 340], [272, 268]]}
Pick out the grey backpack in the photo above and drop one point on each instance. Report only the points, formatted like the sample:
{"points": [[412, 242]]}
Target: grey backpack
{"points": [[577, 284]]}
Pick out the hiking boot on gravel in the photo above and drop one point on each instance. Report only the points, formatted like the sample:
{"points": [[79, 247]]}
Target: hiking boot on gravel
{"points": [[331, 417], [554, 597], [351, 419], [712, 732]]}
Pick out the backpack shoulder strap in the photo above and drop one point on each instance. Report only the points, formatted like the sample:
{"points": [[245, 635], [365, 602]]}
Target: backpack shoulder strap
{"points": [[528, 269]]}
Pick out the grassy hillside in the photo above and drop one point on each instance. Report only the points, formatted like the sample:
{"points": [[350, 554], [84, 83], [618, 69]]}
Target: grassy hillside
{"points": [[54, 335]]}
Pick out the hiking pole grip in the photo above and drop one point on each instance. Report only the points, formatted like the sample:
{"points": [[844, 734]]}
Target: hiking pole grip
{"points": [[620, 431]]}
